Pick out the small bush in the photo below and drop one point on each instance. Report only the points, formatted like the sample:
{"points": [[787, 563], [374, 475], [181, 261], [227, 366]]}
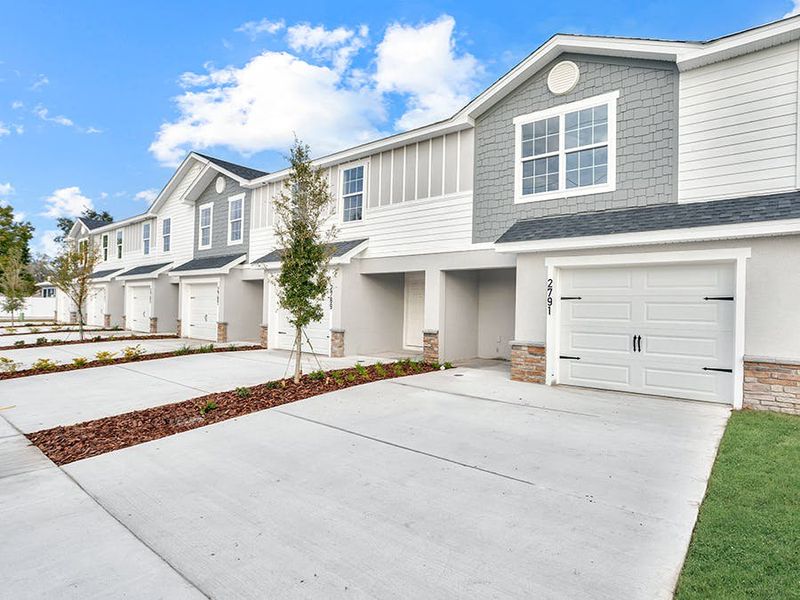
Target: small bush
{"points": [[380, 371], [183, 350], [351, 377], [447, 365], [44, 364], [362, 371], [317, 375], [80, 361], [10, 329], [34, 330], [42, 341], [243, 392], [398, 369], [414, 366], [337, 376], [436, 365], [271, 385], [105, 356], [7, 365], [208, 407], [204, 349], [19, 343], [132, 352]]}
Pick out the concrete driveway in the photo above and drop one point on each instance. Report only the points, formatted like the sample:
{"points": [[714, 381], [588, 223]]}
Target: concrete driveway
{"points": [[454, 484]]}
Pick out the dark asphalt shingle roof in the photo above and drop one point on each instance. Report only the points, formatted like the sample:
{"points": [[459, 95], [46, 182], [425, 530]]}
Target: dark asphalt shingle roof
{"points": [[101, 274], [211, 262], [143, 270], [653, 218], [92, 223], [339, 249], [240, 170]]}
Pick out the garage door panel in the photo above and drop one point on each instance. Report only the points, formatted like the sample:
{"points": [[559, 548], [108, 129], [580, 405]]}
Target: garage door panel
{"points": [[683, 383], [316, 336], [600, 280], [687, 279], [137, 311], [693, 346], [618, 311], [203, 311], [684, 312], [613, 343], [597, 374]]}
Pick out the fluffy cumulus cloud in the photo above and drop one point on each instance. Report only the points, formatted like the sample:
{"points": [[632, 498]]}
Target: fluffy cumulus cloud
{"points": [[44, 114], [45, 242], [146, 195], [6, 189], [66, 202], [315, 90], [795, 9], [423, 63], [4, 130]]}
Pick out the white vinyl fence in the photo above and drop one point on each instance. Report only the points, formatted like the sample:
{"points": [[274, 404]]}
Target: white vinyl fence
{"points": [[35, 308]]}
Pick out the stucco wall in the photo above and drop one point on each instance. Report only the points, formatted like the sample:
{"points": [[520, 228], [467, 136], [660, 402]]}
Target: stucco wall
{"points": [[496, 298], [646, 142], [460, 316], [371, 311], [219, 229]]}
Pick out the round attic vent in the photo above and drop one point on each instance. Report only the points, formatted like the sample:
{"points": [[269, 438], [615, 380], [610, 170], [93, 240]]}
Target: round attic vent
{"points": [[219, 185], [563, 77]]}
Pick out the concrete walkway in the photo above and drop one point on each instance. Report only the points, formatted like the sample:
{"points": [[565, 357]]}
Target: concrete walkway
{"points": [[456, 484]]}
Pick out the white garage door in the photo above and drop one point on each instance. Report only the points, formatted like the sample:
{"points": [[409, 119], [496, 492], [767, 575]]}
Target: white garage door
{"points": [[137, 311], [318, 332], [664, 330], [96, 306], [203, 311]]}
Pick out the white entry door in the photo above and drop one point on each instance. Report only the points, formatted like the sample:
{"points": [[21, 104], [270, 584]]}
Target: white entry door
{"points": [[96, 306], [414, 313], [318, 332], [662, 329], [137, 311], [203, 311]]}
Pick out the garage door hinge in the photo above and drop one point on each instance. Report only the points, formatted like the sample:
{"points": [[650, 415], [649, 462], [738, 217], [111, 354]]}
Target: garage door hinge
{"points": [[715, 369], [728, 298], [570, 357], [570, 297]]}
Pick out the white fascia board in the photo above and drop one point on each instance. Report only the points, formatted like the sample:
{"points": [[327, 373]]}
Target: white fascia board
{"points": [[220, 169], [73, 234], [662, 236], [176, 178], [117, 224]]}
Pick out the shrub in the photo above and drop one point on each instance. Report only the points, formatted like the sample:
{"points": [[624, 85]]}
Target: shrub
{"points": [[317, 375], [337, 376], [435, 365], [380, 371], [398, 369], [208, 407], [204, 349], [19, 343], [447, 365], [271, 385], [44, 364], [362, 371], [42, 341], [34, 330], [7, 365], [414, 366], [183, 350], [133, 352], [80, 361], [10, 329], [242, 392], [105, 356]]}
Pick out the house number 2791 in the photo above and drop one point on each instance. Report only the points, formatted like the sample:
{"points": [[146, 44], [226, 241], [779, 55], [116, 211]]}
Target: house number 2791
{"points": [[549, 295]]}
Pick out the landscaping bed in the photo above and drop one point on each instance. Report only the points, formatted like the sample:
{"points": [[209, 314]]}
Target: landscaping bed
{"points": [[110, 360], [75, 442], [45, 330], [97, 338], [746, 544]]}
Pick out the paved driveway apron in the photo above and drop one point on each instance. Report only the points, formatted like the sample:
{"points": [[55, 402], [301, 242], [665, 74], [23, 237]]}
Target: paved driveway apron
{"points": [[447, 485]]}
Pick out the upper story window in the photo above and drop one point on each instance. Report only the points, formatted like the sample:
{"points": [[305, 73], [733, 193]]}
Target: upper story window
{"points": [[235, 220], [353, 194], [119, 243], [146, 238], [104, 246], [568, 150], [204, 239], [166, 234]]}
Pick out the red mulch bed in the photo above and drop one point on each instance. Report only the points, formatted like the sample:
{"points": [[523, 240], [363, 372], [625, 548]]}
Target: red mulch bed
{"points": [[119, 361], [64, 445], [89, 340]]}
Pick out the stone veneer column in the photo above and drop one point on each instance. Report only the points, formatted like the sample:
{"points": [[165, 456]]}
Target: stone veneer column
{"points": [[337, 343], [430, 346], [222, 332], [178, 327], [772, 384], [107, 321], [263, 336], [153, 324], [528, 362]]}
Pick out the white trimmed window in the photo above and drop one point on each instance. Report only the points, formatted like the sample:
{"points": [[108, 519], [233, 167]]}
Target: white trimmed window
{"points": [[146, 238], [235, 219], [166, 234], [204, 235], [104, 246], [119, 243], [353, 194], [568, 150]]}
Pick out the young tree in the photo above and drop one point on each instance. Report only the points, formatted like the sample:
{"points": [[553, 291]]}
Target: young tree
{"points": [[15, 282], [72, 274], [305, 278]]}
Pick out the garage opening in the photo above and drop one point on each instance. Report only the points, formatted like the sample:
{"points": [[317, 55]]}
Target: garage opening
{"points": [[96, 306], [203, 311], [665, 329], [137, 307], [316, 336]]}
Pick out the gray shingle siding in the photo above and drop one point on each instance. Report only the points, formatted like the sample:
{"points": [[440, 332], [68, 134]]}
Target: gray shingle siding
{"points": [[219, 228], [646, 142]]}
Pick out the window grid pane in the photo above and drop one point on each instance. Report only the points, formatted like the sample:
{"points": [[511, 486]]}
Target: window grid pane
{"points": [[586, 127], [352, 194], [540, 175], [587, 167], [540, 137]]}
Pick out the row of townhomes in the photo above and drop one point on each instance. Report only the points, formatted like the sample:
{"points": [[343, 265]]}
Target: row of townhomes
{"points": [[612, 213]]}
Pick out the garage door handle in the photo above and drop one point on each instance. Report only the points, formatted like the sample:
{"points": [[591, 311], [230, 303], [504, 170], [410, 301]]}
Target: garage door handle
{"points": [[570, 297], [640, 343], [728, 298], [719, 370], [570, 357]]}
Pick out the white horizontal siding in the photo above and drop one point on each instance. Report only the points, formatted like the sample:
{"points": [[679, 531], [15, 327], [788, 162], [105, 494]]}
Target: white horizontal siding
{"points": [[738, 126]]}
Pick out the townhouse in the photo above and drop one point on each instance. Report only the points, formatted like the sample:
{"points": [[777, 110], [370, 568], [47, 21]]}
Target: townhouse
{"points": [[612, 213]]}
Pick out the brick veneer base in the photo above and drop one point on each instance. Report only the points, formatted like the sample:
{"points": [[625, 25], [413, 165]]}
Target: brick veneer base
{"points": [[222, 332], [153, 324], [773, 386], [337, 343], [528, 362], [263, 336], [430, 346]]}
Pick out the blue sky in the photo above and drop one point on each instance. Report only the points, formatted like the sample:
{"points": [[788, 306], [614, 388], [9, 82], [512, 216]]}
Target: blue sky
{"points": [[99, 100]]}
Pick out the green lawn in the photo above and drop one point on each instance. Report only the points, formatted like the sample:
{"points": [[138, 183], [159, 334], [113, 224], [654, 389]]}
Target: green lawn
{"points": [[746, 544]]}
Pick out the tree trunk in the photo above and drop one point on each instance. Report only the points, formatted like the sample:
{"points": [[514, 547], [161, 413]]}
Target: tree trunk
{"points": [[298, 343], [80, 324], [12, 318]]}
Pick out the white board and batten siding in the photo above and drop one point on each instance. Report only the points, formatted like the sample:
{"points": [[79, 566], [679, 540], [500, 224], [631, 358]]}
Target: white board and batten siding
{"points": [[738, 126], [417, 199]]}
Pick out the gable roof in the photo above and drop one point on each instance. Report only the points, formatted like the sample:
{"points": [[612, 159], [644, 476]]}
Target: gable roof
{"points": [[751, 209], [338, 249], [144, 270], [238, 170], [93, 223], [210, 262]]}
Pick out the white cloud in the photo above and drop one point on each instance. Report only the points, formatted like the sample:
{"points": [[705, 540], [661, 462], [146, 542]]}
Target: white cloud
{"points": [[40, 82], [337, 46], [253, 29], [17, 104], [6, 189], [146, 195], [261, 106], [103, 195], [44, 114], [795, 9], [45, 242], [20, 129], [4, 130], [19, 216], [93, 130], [66, 202], [422, 62]]}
